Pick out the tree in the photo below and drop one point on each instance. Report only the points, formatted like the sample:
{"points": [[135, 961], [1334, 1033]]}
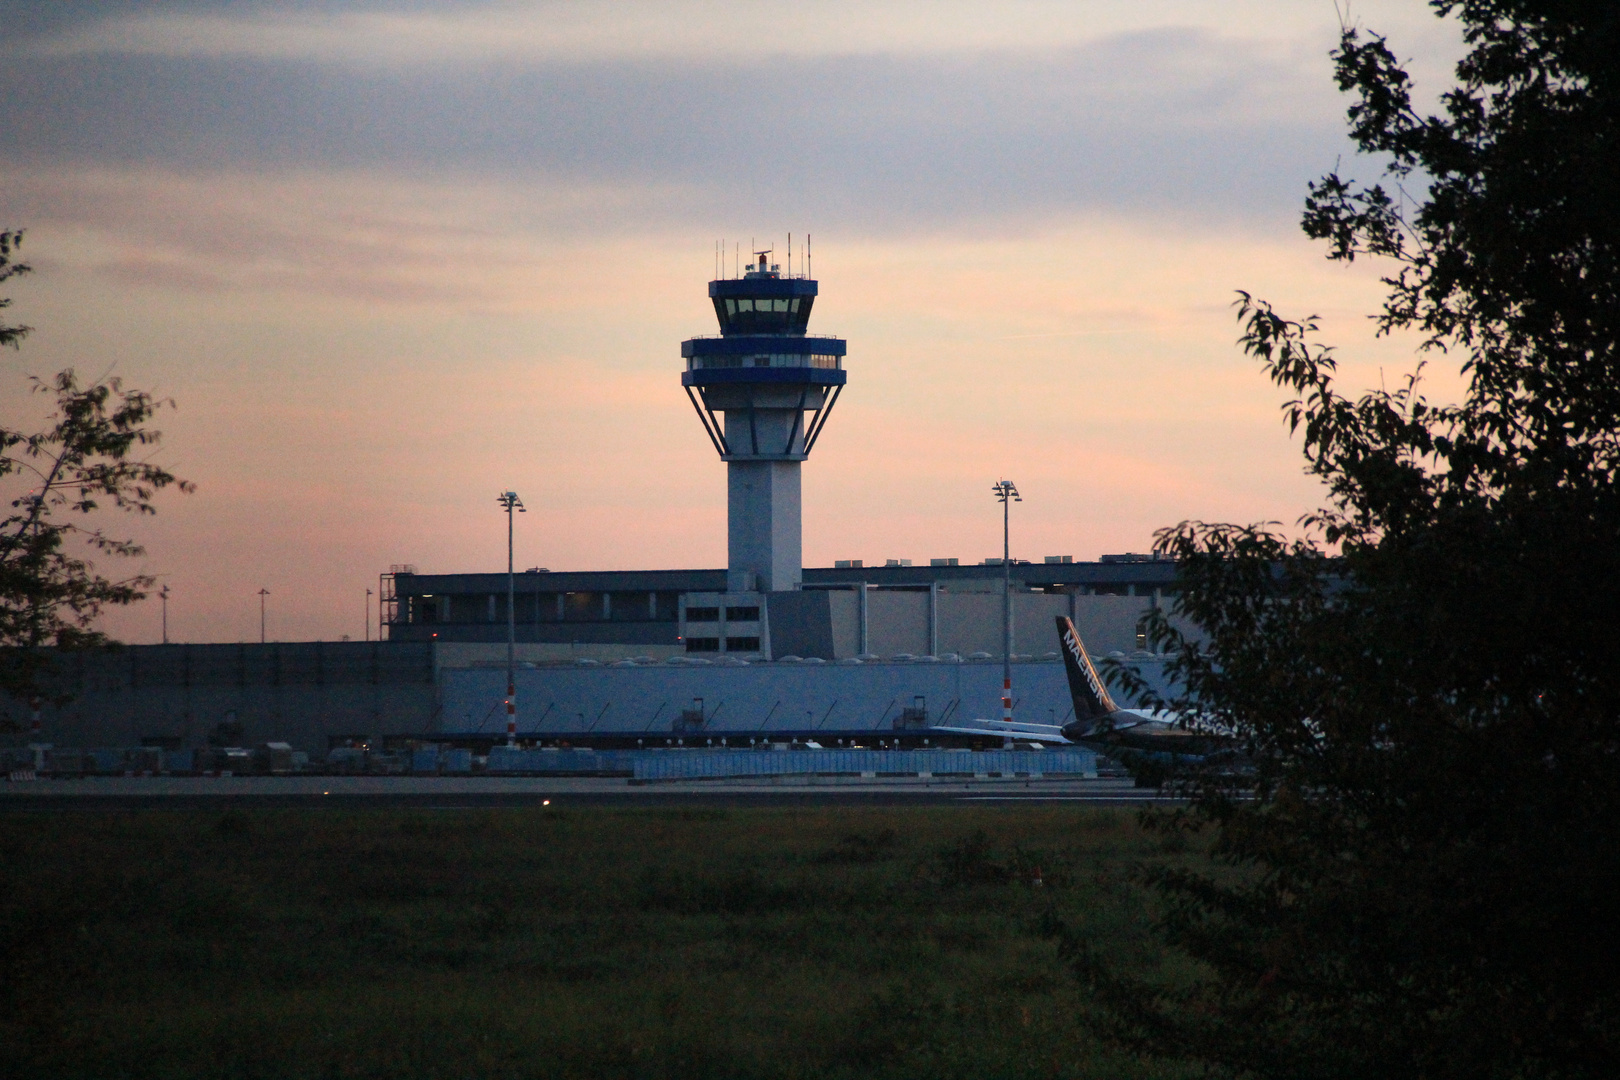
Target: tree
{"points": [[1426, 676], [9, 243], [84, 462]]}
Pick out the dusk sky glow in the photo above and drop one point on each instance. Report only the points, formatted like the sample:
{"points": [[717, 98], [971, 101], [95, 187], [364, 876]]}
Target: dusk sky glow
{"points": [[391, 258]]}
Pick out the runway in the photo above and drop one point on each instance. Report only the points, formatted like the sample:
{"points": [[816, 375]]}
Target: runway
{"points": [[466, 793]]}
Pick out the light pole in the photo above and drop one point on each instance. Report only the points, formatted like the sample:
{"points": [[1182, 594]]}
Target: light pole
{"points": [[163, 595], [1007, 492], [510, 502], [263, 592], [368, 614]]}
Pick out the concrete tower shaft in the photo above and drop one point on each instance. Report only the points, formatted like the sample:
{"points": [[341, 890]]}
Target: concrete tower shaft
{"points": [[764, 529], [763, 389]]}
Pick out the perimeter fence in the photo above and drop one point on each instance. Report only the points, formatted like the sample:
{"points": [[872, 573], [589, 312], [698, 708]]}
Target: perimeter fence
{"points": [[703, 764]]}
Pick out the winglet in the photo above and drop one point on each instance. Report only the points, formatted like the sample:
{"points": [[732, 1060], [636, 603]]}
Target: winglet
{"points": [[1091, 700]]}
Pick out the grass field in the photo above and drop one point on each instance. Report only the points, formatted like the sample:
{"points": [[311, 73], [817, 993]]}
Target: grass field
{"points": [[561, 943]]}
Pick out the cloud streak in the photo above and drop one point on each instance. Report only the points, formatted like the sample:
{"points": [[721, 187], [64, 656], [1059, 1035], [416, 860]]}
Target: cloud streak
{"points": [[730, 31], [1171, 121]]}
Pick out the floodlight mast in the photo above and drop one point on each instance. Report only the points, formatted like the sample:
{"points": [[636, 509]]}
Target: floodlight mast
{"points": [[1007, 492], [510, 502]]}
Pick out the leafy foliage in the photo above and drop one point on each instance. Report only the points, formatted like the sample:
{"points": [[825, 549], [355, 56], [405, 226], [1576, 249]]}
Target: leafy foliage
{"points": [[1427, 677], [88, 459], [9, 243]]}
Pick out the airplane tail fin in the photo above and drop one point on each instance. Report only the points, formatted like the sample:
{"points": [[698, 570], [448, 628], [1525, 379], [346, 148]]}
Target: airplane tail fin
{"points": [[1091, 700]]}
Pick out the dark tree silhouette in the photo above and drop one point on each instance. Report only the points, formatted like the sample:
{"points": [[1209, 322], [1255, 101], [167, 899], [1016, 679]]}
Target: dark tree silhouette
{"points": [[56, 481], [1426, 676]]}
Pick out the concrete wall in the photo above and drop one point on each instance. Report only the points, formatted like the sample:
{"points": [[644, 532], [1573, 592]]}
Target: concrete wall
{"points": [[1107, 624], [302, 693], [758, 698], [636, 635], [896, 622], [845, 607], [969, 622], [801, 624], [493, 653]]}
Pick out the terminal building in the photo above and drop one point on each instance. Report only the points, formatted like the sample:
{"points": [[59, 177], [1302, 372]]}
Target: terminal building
{"points": [[760, 649], [765, 648], [764, 390]]}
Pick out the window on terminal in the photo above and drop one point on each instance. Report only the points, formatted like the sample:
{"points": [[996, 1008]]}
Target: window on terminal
{"points": [[742, 614]]}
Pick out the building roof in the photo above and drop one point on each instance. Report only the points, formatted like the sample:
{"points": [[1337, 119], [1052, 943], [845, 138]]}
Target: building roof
{"points": [[1032, 574]]}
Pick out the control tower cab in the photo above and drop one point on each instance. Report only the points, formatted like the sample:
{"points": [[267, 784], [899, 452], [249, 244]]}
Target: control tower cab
{"points": [[764, 390]]}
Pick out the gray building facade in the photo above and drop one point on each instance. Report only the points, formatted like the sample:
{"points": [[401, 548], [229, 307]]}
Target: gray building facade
{"points": [[835, 613], [310, 694]]}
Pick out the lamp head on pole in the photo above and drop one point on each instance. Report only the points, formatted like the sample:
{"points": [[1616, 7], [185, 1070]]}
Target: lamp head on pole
{"points": [[509, 501], [1004, 490]]}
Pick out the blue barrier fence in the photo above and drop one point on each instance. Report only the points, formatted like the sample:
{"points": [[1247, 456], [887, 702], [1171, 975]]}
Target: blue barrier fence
{"points": [[665, 764], [678, 765], [504, 759], [717, 764]]}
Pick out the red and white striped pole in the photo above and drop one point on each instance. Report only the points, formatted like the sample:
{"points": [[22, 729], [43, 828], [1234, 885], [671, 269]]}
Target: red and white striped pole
{"points": [[1006, 699], [511, 715]]}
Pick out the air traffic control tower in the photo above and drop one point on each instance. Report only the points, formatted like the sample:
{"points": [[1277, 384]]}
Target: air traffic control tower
{"points": [[764, 390]]}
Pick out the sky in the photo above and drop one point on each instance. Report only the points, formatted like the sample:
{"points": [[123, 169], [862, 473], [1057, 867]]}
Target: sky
{"points": [[391, 258]]}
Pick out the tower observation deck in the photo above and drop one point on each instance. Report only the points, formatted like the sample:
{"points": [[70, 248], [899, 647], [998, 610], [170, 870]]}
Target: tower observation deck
{"points": [[764, 390]]}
